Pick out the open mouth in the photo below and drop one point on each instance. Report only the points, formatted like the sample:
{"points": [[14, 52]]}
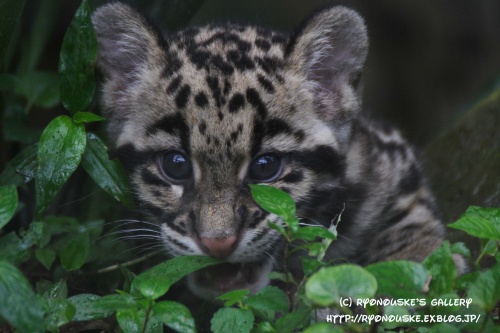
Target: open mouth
{"points": [[213, 281]]}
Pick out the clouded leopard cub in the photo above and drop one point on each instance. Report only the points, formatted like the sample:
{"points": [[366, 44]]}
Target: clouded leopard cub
{"points": [[198, 115]]}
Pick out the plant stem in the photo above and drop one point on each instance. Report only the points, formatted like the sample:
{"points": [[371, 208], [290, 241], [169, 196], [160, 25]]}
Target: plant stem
{"points": [[125, 264]]}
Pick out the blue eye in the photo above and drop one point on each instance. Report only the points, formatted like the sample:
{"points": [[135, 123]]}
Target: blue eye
{"points": [[265, 168], [176, 165]]}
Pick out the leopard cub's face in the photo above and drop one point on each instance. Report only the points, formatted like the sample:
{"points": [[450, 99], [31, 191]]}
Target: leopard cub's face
{"points": [[199, 115]]}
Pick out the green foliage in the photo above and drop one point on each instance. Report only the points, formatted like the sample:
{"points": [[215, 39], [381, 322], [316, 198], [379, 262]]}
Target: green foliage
{"points": [[73, 260]]}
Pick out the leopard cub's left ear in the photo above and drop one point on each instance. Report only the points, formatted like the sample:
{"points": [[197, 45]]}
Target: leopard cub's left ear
{"points": [[330, 51]]}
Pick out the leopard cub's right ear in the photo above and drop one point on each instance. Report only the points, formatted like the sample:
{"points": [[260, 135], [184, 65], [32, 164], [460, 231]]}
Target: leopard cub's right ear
{"points": [[128, 43]]}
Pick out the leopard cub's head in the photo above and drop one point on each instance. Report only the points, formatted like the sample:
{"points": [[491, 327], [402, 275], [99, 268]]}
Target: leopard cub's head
{"points": [[198, 115]]}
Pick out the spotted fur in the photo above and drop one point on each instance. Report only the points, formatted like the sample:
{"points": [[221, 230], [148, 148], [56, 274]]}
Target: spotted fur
{"points": [[223, 95]]}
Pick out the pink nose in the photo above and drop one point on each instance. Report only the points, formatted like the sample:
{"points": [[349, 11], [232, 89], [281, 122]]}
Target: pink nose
{"points": [[219, 247]]}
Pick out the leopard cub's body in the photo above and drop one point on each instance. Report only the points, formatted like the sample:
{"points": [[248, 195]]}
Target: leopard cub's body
{"points": [[198, 115]]}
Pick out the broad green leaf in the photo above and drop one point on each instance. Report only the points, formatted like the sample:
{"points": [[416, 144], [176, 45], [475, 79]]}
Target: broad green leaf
{"points": [[485, 291], [269, 299], [77, 61], [86, 117], [108, 174], [46, 256], [58, 290], [13, 248], [395, 311], [76, 252], [232, 320], [233, 297], [311, 233], [174, 315], [130, 321], [274, 201], [329, 284], [18, 303], [323, 328], [85, 305], [10, 12], [290, 321], [60, 312], [156, 281], [310, 265], [399, 279], [112, 303], [463, 282], [442, 268], [480, 222], [22, 168], [59, 153], [8, 204], [443, 328], [38, 233]]}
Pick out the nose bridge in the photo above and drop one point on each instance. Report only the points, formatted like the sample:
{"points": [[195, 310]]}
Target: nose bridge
{"points": [[217, 219]]}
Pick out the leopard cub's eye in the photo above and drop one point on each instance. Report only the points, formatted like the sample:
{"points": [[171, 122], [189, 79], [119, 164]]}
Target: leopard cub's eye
{"points": [[176, 165], [265, 168]]}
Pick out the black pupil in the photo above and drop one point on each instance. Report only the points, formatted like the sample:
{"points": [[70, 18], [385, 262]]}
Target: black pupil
{"points": [[265, 167], [176, 166]]}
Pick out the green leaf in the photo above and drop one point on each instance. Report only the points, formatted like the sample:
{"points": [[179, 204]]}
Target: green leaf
{"points": [[274, 201], [329, 284], [112, 303], [174, 315], [10, 12], [269, 299], [12, 248], [8, 204], [38, 234], [18, 303], [108, 174], [58, 290], [60, 312], [290, 321], [46, 256], [85, 305], [232, 320], [77, 61], [86, 117], [399, 279], [485, 291], [480, 222], [323, 328], [442, 268], [130, 321], [233, 297], [156, 281], [311, 233], [310, 265], [75, 252], [443, 328], [21, 169], [59, 153]]}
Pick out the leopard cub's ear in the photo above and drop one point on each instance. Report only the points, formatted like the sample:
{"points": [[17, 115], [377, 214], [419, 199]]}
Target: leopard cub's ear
{"points": [[129, 46], [330, 51]]}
